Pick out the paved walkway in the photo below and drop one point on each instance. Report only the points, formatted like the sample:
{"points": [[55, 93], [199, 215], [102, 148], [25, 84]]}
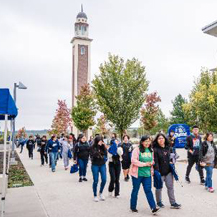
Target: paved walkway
{"points": [[60, 194]]}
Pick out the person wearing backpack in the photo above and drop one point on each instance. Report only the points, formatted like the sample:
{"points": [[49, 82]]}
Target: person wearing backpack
{"points": [[193, 145], [115, 153], [81, 156], [67, 147]]}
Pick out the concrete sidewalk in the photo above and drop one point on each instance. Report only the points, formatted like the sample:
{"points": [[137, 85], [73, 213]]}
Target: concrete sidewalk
{"points": [[24, 202], [61, 194]]}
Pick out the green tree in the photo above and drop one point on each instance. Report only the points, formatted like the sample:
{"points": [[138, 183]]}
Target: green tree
{"points": [[120, 89], [162, 123], [178, 114], [150, 111], [84, 112], [202, 106]]}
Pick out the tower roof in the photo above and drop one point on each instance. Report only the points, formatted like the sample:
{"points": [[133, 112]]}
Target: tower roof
{"points": [[82, 14]]}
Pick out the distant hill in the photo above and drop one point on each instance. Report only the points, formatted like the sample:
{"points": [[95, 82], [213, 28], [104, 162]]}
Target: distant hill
{"points": [[35, 132]]}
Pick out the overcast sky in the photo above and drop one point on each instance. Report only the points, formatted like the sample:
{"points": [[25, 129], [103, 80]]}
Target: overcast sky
{"points": [[165, 35]]}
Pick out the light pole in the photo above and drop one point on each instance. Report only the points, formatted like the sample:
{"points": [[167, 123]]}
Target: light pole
{"points": [[19, 86]]}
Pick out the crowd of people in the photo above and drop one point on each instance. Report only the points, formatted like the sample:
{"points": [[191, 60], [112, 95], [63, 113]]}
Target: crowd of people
{"points": [[150, 159]]}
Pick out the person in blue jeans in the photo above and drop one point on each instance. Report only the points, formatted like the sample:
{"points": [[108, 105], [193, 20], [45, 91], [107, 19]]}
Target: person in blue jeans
{"points": [[53, 148], [81, 156], [98, 154], [141, 171], [208, 159]]}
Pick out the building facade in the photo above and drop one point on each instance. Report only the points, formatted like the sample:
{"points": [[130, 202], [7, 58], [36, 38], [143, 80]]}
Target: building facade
{"points": [[81, 53]]}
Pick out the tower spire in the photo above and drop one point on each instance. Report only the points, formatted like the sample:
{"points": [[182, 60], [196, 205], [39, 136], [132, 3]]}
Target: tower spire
{"points": [[82, 8]]}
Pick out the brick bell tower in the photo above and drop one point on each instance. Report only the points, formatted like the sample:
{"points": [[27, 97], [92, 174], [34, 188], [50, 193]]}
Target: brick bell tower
{"points": [[80, 57]]}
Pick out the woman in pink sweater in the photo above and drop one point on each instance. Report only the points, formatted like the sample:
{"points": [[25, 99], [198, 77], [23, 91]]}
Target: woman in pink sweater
{"points": [[141, 170]]}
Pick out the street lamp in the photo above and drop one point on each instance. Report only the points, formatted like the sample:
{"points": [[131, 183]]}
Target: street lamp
{"points": [[19, 86]]}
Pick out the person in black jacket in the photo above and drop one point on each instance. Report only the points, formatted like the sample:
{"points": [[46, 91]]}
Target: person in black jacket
{"points": [[98, 154], [30, 145], [127, 151], [81, 156], [193, 145], [162, 165], [208, 158], [43, 152]]}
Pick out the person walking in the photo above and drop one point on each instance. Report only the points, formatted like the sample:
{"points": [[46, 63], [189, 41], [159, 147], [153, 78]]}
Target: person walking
{"points": [[141, 170], [126, 157], [30, 145], [208, 159], [43, 152], [162, 165], [98, 155], [67, 147], [81, 156], [21, 143], [115, 156], [53, 147], [193, 144]]}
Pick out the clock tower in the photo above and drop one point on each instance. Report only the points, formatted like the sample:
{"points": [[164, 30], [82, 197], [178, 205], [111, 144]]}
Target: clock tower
{"points": [[80, 57]]}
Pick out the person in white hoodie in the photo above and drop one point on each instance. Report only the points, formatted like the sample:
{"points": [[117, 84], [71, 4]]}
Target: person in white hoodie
{"points": [[115, 153]]}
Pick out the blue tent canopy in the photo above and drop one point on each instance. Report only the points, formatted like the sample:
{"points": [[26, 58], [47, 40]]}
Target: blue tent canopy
{"points": [[7, 105]]}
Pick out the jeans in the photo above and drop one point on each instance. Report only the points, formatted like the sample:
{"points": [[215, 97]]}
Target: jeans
{"points": [[96, 170], [209, 170], [191, 161], [146, 183], [114, 170], [168, 179], [53, 158], [82, 167]]}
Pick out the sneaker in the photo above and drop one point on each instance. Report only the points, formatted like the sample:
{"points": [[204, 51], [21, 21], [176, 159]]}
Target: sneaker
{"points": [[175, 206], [202, 182], [211, 190], [84, 179], [96, 199], [155, 211], [187, 179], [117, 196], [206, 188], [101, 197], [134, 210], [53, 171], [80, 179], [160, 205]]}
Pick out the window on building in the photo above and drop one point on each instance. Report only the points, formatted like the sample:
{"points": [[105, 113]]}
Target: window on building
{"points": [[82, 50]]}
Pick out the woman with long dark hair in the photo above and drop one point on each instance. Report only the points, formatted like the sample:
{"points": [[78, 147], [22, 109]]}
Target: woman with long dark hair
{"points": [[98, 154], [162, 165], [208, 159], [81, 156], [141, 171]]}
